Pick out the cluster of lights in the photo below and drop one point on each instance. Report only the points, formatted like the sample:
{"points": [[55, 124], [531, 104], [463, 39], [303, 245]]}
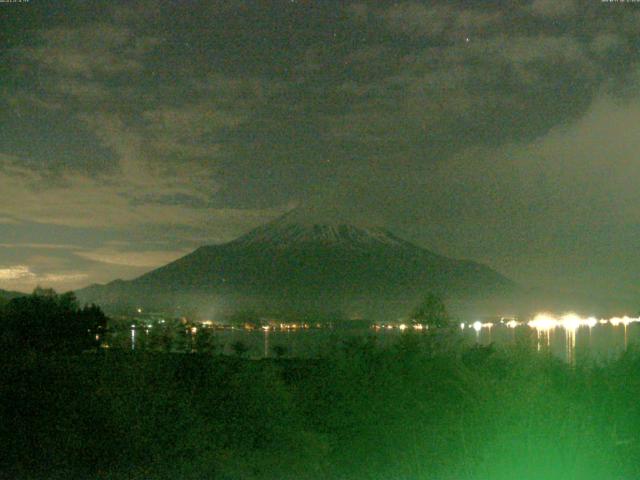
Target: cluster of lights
{"points": [[293, 326], [402, 326], [569, 322], [572, 322]]}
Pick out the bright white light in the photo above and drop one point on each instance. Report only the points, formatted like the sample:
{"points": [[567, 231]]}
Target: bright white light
{"points": [[512, 324], [462, 325], [570, 321], [403, 327], [477, 326], [543, 321]]}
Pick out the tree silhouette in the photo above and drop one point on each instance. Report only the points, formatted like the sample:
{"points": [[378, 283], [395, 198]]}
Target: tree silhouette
{"points": [[46, 321], [432, 312], [160, 338], [239, 348], [279, 350], [205, 341]]}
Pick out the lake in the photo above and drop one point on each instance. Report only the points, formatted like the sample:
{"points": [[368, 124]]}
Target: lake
{"points": [[568, 337]]}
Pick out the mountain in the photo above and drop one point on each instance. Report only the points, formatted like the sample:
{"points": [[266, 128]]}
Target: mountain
{"points": [[282, 265], [6, 295]]}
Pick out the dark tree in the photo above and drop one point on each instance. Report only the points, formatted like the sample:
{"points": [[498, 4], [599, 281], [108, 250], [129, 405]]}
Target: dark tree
{"points": [[239, 348], [94, 318], [161, 337], [432, 312], [279, 350], [205, 341], [48, 322], [181, 337]]}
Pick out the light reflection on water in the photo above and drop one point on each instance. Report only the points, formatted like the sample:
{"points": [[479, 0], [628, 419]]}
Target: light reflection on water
{"points": [[569, 336], [565, 337]]}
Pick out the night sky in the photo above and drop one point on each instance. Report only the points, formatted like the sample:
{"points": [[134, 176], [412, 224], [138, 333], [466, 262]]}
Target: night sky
{"points": [[506, 132]]}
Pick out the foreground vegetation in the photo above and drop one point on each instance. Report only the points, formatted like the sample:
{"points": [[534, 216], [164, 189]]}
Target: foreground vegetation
{"points": [[426, 408], [48, 322]]}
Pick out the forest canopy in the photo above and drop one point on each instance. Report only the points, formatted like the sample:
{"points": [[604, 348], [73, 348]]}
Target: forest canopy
{"points": [[50, 322]]}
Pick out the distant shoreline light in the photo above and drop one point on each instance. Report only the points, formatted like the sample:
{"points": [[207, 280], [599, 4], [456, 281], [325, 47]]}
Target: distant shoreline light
{"points": [[569, 321], [572, 321]]}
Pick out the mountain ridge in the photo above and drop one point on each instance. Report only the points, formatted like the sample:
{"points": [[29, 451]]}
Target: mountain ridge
{"points": [[284, 264], [6, 295]]}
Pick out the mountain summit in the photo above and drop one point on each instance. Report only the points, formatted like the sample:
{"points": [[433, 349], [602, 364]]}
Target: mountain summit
{"points": [[285, 265], [287, 235]]}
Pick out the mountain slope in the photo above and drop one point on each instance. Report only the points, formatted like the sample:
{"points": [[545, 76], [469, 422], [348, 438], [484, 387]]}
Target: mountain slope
{"points": [[332, 267], [6, 295]]}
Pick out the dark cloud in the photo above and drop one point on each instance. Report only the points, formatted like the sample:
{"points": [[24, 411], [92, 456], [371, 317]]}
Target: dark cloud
{"points": [[193, 121]]}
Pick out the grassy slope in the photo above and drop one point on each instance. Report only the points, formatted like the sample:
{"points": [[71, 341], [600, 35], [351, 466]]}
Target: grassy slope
{"points": [[413, 411]]}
